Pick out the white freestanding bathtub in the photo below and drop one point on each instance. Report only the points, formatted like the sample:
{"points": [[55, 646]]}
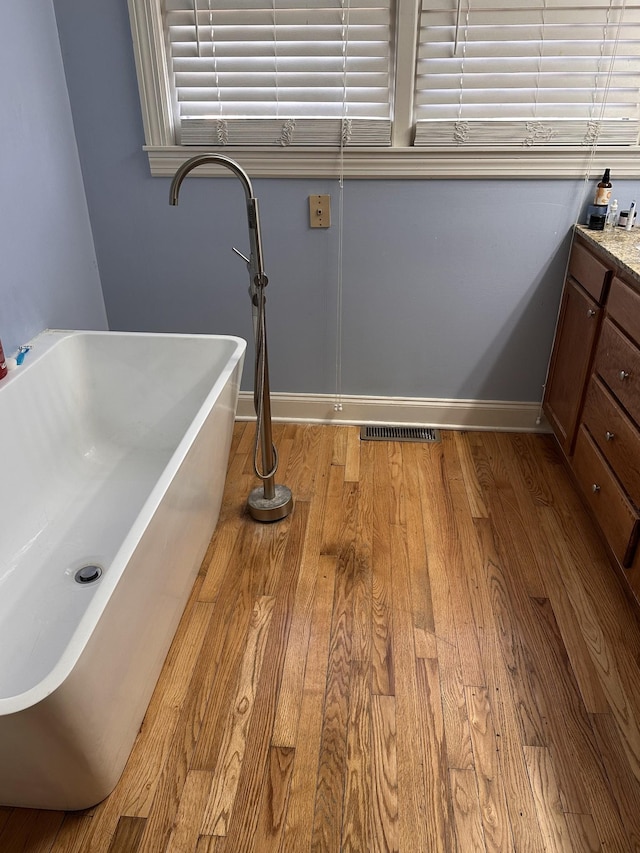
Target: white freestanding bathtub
{"points": [[114, 454]]}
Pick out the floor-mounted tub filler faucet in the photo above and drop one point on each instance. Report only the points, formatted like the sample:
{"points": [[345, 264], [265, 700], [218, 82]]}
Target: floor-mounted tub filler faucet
{"points": [[269, 502]]}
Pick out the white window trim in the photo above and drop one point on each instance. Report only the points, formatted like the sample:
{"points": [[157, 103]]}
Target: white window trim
{"points": [[398, 161]]}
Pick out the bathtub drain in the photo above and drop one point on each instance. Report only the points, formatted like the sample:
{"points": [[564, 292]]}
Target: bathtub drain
{"points": [[88, 574]]}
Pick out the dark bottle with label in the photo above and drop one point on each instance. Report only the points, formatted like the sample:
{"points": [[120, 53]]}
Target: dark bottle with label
{"points": [[603, 190]]}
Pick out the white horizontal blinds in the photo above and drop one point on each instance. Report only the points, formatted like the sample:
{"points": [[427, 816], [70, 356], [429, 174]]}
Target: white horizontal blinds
{"points": [[528, 72], [281, 71]]}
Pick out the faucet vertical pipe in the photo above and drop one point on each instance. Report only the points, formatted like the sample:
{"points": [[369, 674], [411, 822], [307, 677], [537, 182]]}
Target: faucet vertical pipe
{"points": [[270, 502]]}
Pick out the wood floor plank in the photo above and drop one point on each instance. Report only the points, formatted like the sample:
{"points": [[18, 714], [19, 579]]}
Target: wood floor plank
{"points": [[507, 518], [622, 781], [362, 591], [227, 770], [413, 831], [5, 813], [72, 833], [511, 603], [300, 809], [514, 624], [275, 799], [439, 815], [529, 459], [548, 799], [245, 814], [504, 706], [426, 644], [391, 457], [275, 541], [583, 833], [466, 810], [358, 793], [332, 524], [472, 578], [290, 695], [127, 835], [209, 844], [384, 775], [193, 801], [25, 830], [374, 481], [352, 459], [439, 533], [472, 486], [223, 546], [233, 613], [340, 440], [493, 805], [176, 674], [302, 468], [328, 810], [414, 510], [456, 720], [462, 568]]}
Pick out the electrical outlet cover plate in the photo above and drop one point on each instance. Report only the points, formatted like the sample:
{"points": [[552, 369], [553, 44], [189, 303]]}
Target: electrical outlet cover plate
{"points": [[320, 211]]}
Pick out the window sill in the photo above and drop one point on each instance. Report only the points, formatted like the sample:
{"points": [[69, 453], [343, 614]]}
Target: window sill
{"points": [[412, 163]]}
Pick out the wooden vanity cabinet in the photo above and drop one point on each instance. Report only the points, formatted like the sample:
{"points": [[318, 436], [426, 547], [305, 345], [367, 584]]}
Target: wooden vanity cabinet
{"points": [[592, 396]]}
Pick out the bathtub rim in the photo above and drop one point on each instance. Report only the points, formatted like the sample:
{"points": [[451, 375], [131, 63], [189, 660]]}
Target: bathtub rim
{"points": [[43, 344]]}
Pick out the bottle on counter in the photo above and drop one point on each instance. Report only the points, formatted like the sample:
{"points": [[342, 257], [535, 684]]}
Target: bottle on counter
{"points": [[612, 215], [3, 363], [603, 190], [596, 216], [631, 217], [627, 218]]}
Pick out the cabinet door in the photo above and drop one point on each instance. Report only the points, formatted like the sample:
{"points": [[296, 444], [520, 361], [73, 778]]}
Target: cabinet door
{"points": [[570, 362]]}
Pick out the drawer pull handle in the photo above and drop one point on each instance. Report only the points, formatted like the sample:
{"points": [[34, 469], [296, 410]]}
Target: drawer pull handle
{"points": [[591, 312], [623, 375], [609, 435], [595, 488]]}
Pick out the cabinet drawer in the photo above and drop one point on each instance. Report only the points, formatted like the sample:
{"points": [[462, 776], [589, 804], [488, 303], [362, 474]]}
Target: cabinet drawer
{"points": [[614, 512], [618, 363], [588, 271], [616, 436], [623, 306]]}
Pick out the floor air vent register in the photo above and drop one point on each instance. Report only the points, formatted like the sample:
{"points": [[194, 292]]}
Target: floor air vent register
{"points": [[399, 433]]}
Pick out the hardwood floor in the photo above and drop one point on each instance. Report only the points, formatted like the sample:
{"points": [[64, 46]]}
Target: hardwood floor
{"points": [[431, 654]]}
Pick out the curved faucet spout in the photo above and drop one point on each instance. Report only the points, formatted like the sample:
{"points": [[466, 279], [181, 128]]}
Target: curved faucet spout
{"points": [[256, 266], [201, 159]]}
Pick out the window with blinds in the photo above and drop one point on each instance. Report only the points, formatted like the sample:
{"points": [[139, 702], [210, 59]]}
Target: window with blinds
{"points": [[527, 73], [280, 72]]}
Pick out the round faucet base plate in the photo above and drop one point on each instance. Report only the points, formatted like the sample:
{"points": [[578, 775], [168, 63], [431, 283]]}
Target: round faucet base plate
{"points": [[273, 509]]}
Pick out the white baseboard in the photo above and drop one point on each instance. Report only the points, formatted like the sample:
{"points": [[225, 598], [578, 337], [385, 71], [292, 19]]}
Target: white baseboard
{"points": [[399, 411]]}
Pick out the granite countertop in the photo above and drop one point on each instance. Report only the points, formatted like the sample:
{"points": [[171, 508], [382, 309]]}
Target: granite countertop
{"points": [[617, 247]]}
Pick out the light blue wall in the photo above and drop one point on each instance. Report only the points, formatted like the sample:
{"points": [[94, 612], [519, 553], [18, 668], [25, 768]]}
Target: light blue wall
{"points": [[451, 288], [49, 274]]}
